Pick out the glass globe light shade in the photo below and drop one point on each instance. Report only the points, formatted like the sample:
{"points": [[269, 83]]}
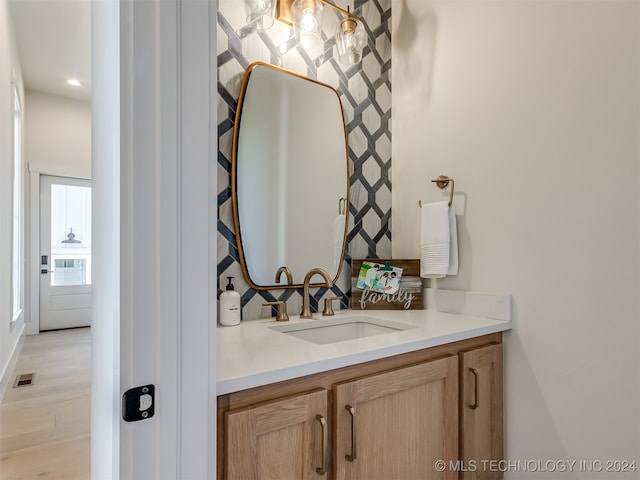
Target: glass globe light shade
{"points": [[259, 13], [350, 40], [307, 22]]}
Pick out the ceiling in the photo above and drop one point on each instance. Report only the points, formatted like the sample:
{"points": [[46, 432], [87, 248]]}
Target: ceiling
{"points": [[54, 44]]}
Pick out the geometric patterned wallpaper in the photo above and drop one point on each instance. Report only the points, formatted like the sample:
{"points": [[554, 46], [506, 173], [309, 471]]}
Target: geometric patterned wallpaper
{"points": [[365, 93]]}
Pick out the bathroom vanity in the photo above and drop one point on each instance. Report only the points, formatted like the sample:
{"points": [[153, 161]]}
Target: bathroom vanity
{"points": [[390, 394], [424, 401]]}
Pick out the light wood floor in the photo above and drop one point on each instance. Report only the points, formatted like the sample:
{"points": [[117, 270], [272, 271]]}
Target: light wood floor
{"points": [[44, 428]]}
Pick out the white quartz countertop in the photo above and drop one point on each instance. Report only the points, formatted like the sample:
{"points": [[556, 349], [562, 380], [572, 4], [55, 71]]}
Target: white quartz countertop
{"points": [[252, 354]]}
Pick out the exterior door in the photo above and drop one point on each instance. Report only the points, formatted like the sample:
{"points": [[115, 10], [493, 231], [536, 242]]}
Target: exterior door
{"points": [[65, 252]]}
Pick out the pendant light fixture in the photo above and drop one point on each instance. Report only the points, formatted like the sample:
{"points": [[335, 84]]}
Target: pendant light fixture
{"points": [[306, 18], [71, 237]]}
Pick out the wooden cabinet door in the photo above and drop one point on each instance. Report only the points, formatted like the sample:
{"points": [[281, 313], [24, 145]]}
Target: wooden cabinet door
{"points": [[481, 433], [278, 440], [398, 424]]}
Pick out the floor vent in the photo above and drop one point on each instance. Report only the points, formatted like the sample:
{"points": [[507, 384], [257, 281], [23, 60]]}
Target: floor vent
{"points": [[24, 380]]}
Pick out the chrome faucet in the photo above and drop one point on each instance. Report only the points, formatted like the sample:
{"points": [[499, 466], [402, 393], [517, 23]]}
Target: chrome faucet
{"points": [[306, 309]]}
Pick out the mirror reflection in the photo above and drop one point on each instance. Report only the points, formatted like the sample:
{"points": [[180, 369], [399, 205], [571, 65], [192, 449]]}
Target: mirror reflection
{"points": [[290, 178]]}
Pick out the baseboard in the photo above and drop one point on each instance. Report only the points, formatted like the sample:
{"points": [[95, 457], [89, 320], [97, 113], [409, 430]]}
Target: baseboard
{"points": [[5, 379]]}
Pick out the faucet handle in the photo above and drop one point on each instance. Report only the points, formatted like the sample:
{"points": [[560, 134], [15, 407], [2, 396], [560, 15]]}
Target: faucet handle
{"points": [[282, 310], [328, 306]]}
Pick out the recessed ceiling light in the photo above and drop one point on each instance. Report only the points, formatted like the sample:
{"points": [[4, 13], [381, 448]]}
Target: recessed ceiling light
{"points": [[73, 82]]}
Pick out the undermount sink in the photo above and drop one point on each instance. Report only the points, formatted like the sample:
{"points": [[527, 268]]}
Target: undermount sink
{"points": [[335, 330]]}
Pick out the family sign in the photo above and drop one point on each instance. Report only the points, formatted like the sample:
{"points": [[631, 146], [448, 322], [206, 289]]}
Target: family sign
{"points": [[379, 284]]}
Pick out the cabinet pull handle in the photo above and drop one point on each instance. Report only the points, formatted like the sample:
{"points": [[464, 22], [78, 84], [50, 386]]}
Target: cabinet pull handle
{"points": [[325, 446], [352, 411], [475, 403]]}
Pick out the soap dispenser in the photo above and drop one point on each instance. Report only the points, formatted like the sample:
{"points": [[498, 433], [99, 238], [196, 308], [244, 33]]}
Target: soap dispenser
{"points": [[229, 306]]}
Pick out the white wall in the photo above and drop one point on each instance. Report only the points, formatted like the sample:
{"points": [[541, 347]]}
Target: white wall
{"points": [[9, 72], [57, 132], [534, 109]]}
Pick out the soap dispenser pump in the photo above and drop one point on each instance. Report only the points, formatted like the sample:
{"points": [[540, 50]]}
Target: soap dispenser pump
{"points": [[229, 306]]}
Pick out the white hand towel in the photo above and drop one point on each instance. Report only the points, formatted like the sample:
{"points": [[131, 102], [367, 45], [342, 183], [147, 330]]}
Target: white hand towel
{"points": [[453, 242], [338, 238], [438, 241]]}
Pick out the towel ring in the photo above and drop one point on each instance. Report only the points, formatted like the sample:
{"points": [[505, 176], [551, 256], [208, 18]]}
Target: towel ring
{"points": [[443, 182]]}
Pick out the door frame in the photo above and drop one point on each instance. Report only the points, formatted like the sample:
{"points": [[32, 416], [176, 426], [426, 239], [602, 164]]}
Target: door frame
{"points": [[32, 321], [155, 176]]}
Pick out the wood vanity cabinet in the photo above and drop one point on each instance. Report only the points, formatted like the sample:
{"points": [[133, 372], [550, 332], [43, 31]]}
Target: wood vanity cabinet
{"points": [[481, 427], [277, 440], [397, 424], [397, 416]]}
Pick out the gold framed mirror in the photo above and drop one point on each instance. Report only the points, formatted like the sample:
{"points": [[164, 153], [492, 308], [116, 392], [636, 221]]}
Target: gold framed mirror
{"points": [[289, 178]]}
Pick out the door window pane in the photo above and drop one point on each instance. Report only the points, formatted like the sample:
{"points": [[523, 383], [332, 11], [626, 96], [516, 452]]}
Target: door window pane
{"points": [[70, 271], [70, 235]]}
